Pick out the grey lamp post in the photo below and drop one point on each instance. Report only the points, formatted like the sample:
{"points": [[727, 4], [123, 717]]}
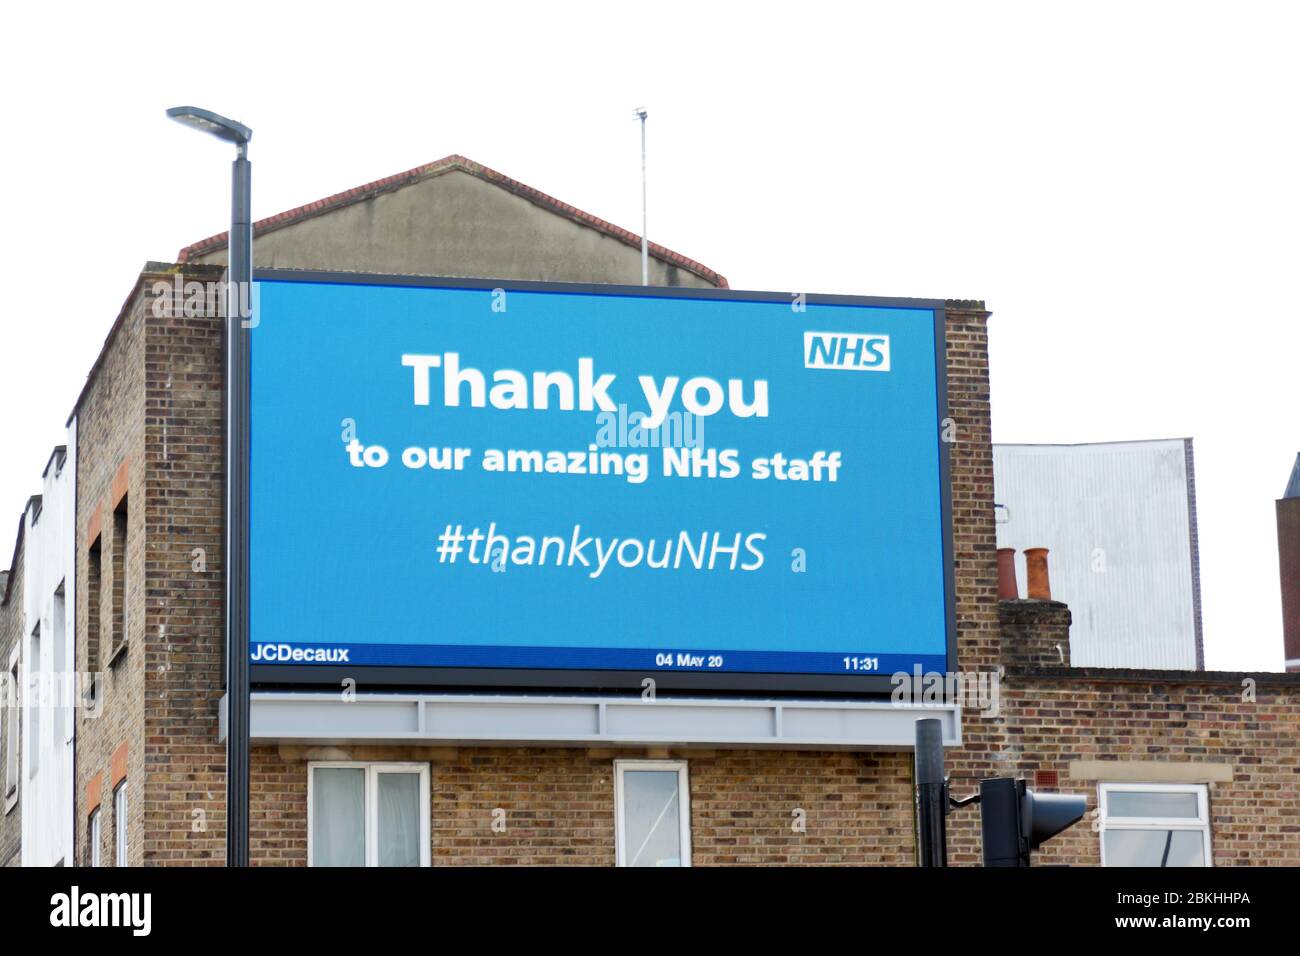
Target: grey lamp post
{"points": [[238, 300]]}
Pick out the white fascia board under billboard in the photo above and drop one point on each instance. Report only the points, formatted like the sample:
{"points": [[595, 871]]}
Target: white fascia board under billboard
{"points": [[577, 721]]}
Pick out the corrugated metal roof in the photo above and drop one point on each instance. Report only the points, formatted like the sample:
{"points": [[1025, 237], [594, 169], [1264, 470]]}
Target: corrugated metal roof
{"points": [[1118, 521]]}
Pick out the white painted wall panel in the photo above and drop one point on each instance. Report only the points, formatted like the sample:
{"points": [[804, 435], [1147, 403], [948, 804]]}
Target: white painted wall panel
{"points": [[1117, 520], [47, 754]]}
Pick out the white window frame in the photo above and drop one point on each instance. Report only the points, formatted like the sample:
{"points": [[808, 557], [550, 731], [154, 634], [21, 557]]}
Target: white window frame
{"points": [[370, 804], [1201, 822], [121, 823], [683, 804], [96, 835]]}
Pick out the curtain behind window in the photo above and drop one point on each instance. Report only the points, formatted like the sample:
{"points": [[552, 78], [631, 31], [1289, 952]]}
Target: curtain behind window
{"points": [[651, 820], [338, 819], [399, 819]]}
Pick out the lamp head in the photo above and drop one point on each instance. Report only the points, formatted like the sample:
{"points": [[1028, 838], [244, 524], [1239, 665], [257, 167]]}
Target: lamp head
{"points": [[209, 122]]}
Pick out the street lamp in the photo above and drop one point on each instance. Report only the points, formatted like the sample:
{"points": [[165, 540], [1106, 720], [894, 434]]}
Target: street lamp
{"points": [[238, 321], [211, 122]]}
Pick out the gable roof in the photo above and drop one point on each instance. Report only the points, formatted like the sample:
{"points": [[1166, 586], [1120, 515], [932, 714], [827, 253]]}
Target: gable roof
{"points": [[1293, 486], [448, 163]]}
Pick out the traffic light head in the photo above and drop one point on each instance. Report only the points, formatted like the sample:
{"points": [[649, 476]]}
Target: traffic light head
{"points": [[1044, 815], [1015, 821]]}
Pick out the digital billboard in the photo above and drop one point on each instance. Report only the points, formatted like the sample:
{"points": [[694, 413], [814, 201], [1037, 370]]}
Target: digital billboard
{"points": [[522, 484]]}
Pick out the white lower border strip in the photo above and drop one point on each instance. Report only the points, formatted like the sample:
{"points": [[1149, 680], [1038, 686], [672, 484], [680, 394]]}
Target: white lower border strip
{"points": [[574, 721]]}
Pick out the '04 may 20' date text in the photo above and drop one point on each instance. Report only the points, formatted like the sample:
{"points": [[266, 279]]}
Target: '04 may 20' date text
{"points": [[686, 659], [715, 661]]}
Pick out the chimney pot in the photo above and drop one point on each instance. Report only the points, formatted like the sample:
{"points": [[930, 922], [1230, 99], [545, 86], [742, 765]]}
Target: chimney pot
{"points": [[1008, 590], [1036, 565]]}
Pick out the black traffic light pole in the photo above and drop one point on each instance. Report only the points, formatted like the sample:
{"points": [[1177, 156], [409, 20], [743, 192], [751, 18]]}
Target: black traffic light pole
{"points": [[931, 793]]}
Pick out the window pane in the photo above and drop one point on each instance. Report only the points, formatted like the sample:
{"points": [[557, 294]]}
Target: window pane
{"points": [[399, 819], [338, 816], [1155, 847], [651, 820], [1151, 803]]}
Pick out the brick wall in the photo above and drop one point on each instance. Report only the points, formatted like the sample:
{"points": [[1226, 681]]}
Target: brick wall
{"points": [[183, 445], [974, 541], [1034, 633], [110, 469], [1140, 725], [971, 458], [1239, 734], [747, 807], [559, 803]]}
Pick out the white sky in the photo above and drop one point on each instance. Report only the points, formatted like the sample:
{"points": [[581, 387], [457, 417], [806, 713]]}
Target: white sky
{"points": [[1117, 181]]}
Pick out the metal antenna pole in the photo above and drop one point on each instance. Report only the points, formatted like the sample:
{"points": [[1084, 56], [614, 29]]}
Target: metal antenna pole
{"points": [[641, 114]]}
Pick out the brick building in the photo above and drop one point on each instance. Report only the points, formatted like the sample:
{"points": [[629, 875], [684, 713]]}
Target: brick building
{"points": [[1193, 766]]}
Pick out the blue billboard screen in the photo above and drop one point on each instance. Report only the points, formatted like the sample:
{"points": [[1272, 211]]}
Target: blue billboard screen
{"points": [[603, 480]]}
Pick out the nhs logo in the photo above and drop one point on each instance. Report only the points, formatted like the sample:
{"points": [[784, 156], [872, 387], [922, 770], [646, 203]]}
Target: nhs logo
{"points": [[856, 351]]}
